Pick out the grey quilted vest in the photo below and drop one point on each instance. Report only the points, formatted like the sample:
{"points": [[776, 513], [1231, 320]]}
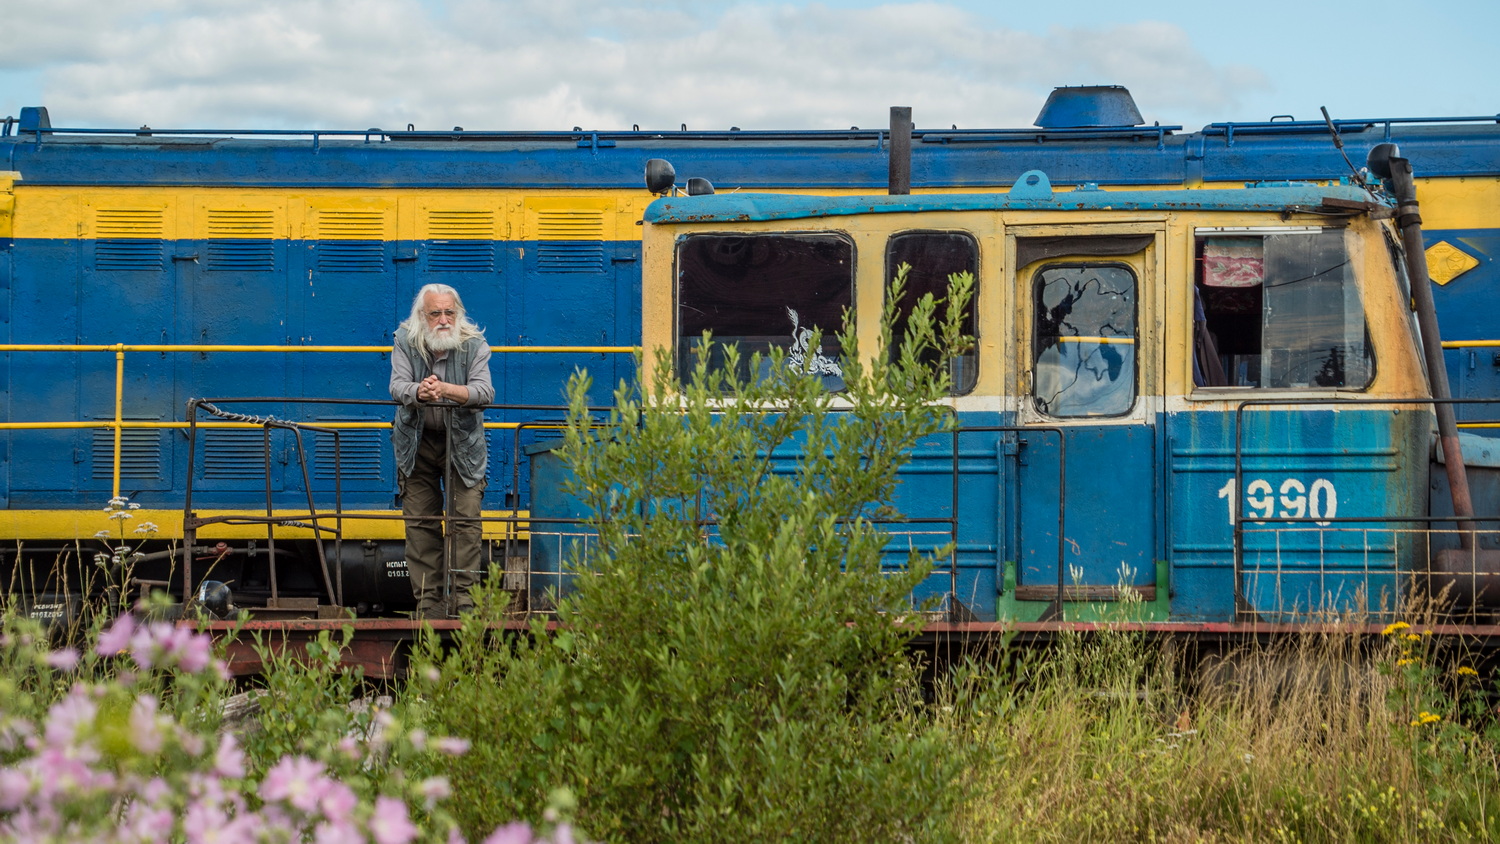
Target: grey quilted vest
{"points": [[465, 425]]}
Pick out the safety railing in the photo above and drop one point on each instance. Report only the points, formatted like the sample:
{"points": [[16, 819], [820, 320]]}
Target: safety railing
{"points": [[1323, 564], [119, 424], [326, 521], [1339, 572], [556, 544]]}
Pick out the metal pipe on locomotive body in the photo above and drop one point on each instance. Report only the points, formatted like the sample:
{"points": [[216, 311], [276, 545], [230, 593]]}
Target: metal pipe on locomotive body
{"points": [[898, 182], [1385, 161]]}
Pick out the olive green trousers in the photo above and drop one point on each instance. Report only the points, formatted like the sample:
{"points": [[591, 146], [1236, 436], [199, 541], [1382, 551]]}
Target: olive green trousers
{"points": [[441, 577]]}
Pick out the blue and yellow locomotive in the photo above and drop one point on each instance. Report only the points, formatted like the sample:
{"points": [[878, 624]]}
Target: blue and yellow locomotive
{"points": [[1171, 363]]}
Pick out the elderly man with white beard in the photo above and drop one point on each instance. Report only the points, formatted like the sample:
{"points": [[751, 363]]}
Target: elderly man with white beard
{"points": [[440, 374]]}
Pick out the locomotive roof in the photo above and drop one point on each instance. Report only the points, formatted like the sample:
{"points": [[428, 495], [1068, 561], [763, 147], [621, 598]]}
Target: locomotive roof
{"points": [[981, 159], [1032, 192]]}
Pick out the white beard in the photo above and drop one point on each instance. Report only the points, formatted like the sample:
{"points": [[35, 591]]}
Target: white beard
{"points": [[442, 340]]}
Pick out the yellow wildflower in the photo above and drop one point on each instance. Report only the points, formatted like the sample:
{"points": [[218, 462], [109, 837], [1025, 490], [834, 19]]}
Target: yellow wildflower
{"points": [[1464, 669], [1425, 717], [1401, 662], [1395, 627], [1412, 637]]}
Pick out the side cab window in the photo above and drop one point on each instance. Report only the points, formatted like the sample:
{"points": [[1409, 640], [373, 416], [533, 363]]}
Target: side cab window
{"points": [[933, 256], [765, 291], [1278, 310]]}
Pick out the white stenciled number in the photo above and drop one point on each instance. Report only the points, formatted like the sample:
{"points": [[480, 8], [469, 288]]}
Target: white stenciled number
{"points": [[1227, 491], [1293, 501], [1330, 506], [1258, 497], [1298, 500]]}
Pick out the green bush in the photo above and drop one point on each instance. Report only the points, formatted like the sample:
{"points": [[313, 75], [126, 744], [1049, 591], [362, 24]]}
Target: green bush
{"points": [[731, 666]]}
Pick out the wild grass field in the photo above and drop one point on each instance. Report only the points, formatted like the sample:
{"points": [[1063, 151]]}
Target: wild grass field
{"points": [[747, 683]]}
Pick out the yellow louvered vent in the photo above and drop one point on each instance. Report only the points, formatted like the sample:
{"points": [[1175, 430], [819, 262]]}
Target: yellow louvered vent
{"points": [[351, 225], [129, 222], [461, 225], [461, 241], [129, 240], [570, 224], [351, 241], [241, 240], [239, 222]]}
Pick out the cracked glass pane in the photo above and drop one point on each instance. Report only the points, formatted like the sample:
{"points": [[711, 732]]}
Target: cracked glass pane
{"points": [[1084, 340]]}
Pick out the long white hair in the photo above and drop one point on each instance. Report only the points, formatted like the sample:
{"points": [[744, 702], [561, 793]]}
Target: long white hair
{"points": [[417, 332]]}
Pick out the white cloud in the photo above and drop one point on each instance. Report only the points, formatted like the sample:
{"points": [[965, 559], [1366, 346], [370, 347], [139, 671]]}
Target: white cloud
{"points": [[513, 64]]}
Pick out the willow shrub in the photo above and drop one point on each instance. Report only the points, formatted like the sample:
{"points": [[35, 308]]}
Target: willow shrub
{"points": [[731, 666]]}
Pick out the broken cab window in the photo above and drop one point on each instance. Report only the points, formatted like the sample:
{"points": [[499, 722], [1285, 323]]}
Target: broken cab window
{"points": [[1279, 310], [765, 291], [933, 257], [1083, 340]]}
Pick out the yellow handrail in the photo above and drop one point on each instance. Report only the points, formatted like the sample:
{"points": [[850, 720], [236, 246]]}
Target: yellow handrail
{"points": [[118, 424], [209, 347]]}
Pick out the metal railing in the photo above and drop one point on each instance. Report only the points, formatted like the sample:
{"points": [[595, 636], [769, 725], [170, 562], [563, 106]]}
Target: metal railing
{"points": [[1287, 560], [118, 424]]}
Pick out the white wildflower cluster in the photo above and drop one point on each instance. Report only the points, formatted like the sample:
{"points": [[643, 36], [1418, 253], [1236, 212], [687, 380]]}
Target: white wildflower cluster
{"points": [[119, 509]]}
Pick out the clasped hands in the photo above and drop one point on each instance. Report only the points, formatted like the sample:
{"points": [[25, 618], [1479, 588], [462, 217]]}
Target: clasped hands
{"points": [[430, 389]]}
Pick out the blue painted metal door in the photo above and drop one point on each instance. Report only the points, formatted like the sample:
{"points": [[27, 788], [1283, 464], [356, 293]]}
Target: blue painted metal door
{"points": [[1085, 508]]}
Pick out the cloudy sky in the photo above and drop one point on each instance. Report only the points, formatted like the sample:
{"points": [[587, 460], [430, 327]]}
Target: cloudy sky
{"points": [[710, 64]]}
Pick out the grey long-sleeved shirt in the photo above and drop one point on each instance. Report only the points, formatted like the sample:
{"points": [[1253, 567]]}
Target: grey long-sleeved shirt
{"points": [[404, 382]]}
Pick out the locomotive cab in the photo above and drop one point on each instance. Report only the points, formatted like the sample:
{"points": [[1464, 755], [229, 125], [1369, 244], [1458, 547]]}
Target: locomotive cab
{"points": [[1182, 405]]}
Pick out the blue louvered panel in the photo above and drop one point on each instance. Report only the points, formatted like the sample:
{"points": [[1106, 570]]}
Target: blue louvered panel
{"points": [[359, 453], [461, 256], [140, 454], [562, 257], [134, 254], [242, 255], [234, 455], [356, 256]]}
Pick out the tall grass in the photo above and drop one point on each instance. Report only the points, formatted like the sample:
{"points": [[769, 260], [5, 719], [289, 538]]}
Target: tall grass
{"points": [[1326, 736]]}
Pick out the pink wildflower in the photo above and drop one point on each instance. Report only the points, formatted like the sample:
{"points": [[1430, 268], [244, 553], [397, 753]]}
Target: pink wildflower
{"points": [[206, 823], [68, 718], [434, 789], [202, 823], [156, 792], [210, 790], [65, 773], [389, 823], [63, 660], [337, 833], [145, 726], [451, 745], [144, 823], [164, 645], [296, 779], [229, 760], [13, 731], [117, 638], [193, 651], [15, 786], [516, 832], [143, 646], [337, 802], [191, 742]]}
